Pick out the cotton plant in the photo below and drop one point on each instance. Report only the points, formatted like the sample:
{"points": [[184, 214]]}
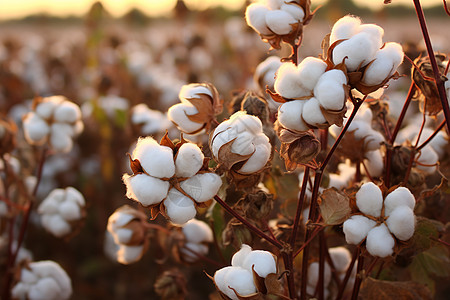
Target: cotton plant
{"points": [[197, 236], [42, 280], [238, 279], [151, 122], [62, 211], [127, 228], [381, 222], [170, 178], [360, 47], [53, 120], [200, 103]]}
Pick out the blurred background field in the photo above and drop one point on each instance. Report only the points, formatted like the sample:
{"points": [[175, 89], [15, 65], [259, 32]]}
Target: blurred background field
{"points": [[109, 60]]}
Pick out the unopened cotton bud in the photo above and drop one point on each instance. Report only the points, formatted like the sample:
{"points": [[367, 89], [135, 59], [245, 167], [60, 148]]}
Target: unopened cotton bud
{"points": [[146, 189], [344, 28], [196, 231], [341, 258], [241, 280], [238, 258], [179, 113], [369, 199], [189, 160], [179, 208], [294, 10], [35, 129], [380, 241], [312, 113], [202, 187], [401, 222], [255, 15], [289, 115], [385, 64], [156, 160], [309, 71], [261, 261], [359, 50], [401, 196], [356, 228], [280, 21]]}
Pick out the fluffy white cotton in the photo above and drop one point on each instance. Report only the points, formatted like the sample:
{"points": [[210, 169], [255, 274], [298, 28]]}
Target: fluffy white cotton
{"points": [[255, 15], [313, 275], [117, 224], [238, 258], [60, 138], [265, 72], [35, 129], [427, 159], [356, 228], [45, 109], [179, 113], [369, 199], [374, 163], [156, 160], [243, 144], [67, 112], [385, 64], [288, 82], [401, 196], [331, 95], [191, 251], [261, 261], [294, 10], [152, 121], [280, 21], [145, 189], [202, 187], [401, 222], [189, 160], [360, 50], [179, 208], [56, 225], [380, 242], [312, 113], [344, 28], [129, 254], [376, 33], [341, 258], [196, 232], [193, 90], [309, 71], [258, 159], [219, 278], [241, 280], [289, 115]]}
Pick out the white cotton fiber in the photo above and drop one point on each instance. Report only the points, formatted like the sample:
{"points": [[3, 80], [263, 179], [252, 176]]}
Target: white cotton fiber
{"points": [[356, 229], [427, 159], [373, 160], [313, 274], [156, 160], [330, 94], [219, 278], [56, 225], [241, 280], [193, 90], [129, 254], [45, 288], [178, 114], [380, 241], [189, 160], [241, 121], [289, 115], [73, 194], [202, 187], [294, 10], [280, 21], [196, 231], [312, 114], [385, 64], [146, 189], [257, 161], [287, 82], [344, 28], [341, 258], [261, 261], [45, 109], [238, 258], [400, 196], [190, 251], [35, 128], [243, 144], [255, 15], [369, 199], [67, 112], [123, 235], [70, 211], [309, 71], [360, 50], [179, 208], [401, 222], [376, 33], [60, 139]]}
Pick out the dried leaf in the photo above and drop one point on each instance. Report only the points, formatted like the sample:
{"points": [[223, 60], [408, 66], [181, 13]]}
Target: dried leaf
{"points": [[334, 117], [275, 97], [165, 141], [334, 206], [273, 285], [385, 290], [227, 158], [135, 165]]}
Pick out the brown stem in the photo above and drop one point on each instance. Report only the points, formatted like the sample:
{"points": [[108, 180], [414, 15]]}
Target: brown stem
{"points": [[289, 265], [380, 268], [255, 230], [313, 235], [321, 265], [204, 258], [358, 278], [300, 201], [372, 265], [412, 89], [347, 274], [431, 136], [437, 76]]}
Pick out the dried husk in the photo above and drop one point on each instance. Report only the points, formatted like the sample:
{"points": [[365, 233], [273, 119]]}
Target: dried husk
{"points": [[297, 147]]}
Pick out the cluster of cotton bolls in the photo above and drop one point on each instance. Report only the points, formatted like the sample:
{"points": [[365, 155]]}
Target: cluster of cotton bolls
{"points": [[199, 104], [264, 76], [269, 17], [429, 155], [361, 45], [55, 120], [60, 210], [126, 227], [314, 92], [151, 121], [151, 184], [341, 259], [395, 216], [247, 139], [238, 278], [197, 235], [43, 280]]}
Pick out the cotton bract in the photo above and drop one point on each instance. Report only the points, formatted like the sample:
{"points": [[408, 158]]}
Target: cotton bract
{"points": [[60, 210], [43, 280], [54, 120]]}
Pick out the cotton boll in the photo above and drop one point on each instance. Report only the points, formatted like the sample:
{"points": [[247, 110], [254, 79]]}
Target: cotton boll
{"points": [[438, 143], [156, 160], [190, 251], [280, 21], [375, 31], [221, 138], [401, 222], [261, 261], [427, 159], [45, 109], [60, 140], [344, 28], [179, 113], [48, 206], [356, 229], [123, 235], [73, 194], [129, 254], [56, 225], [401, 196], [193, 90], [374, 140], [331, 95], [255, 16], [67, 112], [287, 82], [146, 189], [219, 278], [294, 10], [313, 274], [45, 288], [289, 115], [257, 161], [241, 121], [369, 199], [385, 64], [241, 280], [380, 241], [312, 114], [202, 187], [196, 231], [309, 71], [243, 144], [179, 208], [239, 257], [70, 211], [360, 50], [374, 163], [189, 160], [341, 258], [274, 4], [35, 129]]}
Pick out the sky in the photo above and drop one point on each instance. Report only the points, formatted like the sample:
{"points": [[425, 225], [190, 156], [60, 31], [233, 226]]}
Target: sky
{"points": [[10, 9]]}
